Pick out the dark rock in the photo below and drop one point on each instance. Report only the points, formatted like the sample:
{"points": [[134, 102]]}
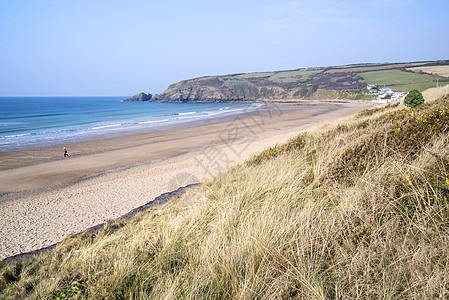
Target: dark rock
{"points": [[140, 97]]}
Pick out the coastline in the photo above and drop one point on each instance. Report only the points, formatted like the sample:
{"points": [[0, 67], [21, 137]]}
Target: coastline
{"points": [[45, 197]]}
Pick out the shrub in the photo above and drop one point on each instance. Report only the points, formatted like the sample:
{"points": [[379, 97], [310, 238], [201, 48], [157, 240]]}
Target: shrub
{"points": [[413, 99]]}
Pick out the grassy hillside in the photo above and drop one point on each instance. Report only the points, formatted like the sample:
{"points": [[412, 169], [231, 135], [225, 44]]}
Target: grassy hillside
{"points": [[357, 209], [399, 80], [337, 82]]}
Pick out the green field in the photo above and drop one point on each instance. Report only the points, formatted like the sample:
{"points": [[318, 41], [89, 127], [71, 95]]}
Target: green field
{"points": [[416, 86], [291, 76], [254, 75], [281, 76], [396, 77], [419, 63]]}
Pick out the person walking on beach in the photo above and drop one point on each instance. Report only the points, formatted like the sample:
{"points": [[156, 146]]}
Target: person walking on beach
{"points": [[65, 152]]}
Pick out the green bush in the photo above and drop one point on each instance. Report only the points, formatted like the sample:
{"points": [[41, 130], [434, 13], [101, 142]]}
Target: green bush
{"points": [[413, 99]]}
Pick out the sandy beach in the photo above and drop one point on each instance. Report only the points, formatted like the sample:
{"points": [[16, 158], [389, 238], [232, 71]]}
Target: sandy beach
{"points": [[44, 197]]}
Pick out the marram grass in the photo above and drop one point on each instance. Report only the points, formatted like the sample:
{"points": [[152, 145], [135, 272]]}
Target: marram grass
{"points": [[357, 209]]}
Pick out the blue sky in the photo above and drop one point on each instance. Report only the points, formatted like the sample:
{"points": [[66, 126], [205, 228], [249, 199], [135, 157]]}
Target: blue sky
{"points": [[108, 47]]}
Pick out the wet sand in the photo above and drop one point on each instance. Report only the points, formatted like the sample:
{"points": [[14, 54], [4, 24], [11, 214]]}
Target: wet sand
{"points": [[44, 196]]}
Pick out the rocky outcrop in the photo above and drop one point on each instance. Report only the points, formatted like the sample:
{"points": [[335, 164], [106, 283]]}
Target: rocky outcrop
{"points": [[140, 97]]}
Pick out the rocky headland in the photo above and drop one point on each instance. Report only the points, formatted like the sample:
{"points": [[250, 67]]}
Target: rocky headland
{"points": [[340, 82]]}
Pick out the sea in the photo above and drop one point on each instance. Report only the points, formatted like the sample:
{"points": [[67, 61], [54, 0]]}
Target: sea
{"points": [[27, 122]]}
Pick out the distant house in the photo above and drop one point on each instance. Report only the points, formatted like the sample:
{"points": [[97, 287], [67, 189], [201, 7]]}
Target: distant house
{"points": [[386, 91], [373, 89], [398, 96], [386, 95]]}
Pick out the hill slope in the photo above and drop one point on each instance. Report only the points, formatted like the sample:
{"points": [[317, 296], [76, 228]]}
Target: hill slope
{"points": [[347, 82], [356, 209]]}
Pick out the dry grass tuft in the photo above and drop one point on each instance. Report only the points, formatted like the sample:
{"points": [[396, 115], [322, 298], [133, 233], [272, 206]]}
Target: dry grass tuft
{"points": [[357, 209], [433, 94]]}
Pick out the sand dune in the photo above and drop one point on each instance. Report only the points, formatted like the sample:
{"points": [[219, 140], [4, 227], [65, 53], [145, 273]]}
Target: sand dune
{"points": [[45, 197]]}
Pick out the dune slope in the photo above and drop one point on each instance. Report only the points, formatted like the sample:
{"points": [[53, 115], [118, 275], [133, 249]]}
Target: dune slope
{"points": [[356, 209]]}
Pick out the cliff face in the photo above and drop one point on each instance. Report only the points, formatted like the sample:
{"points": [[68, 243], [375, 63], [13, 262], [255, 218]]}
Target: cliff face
{"points": [[298, 84], [210, 89]]}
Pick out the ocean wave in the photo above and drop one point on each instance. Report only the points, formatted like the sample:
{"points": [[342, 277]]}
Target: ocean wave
{"points": [[106, 126], [16, 135], [210, 114], [67, 130], [32, 116], [151, 122], [187, 113]]}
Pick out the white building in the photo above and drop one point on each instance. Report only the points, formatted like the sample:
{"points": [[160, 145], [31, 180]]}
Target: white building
{"points": [[386, 95]]}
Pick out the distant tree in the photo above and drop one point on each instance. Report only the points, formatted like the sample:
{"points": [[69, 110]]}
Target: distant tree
{"points": [[413, 99]]}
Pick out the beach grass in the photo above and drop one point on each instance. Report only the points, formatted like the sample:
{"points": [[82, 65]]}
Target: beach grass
{"points": [[356, 209]]}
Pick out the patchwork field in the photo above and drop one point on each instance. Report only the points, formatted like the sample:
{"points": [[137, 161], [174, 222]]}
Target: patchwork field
{"points": [[335, 82], [368, 67]]}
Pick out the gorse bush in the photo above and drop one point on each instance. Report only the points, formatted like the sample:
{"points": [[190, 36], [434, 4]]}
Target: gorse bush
{"points": [[353, 210]]}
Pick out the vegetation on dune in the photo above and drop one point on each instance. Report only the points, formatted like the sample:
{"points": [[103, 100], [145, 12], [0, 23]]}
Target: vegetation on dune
{"points": [[414, 99], [357, 209]]}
